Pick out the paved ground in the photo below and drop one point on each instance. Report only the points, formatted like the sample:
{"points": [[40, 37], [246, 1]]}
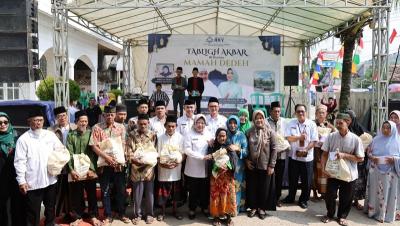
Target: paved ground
{"points": [[287, 215]]}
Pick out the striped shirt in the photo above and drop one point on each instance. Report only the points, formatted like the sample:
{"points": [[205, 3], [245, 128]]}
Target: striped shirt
{"points": [[156, 96]]}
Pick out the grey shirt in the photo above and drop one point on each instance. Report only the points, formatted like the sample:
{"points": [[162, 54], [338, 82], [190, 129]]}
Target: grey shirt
{"points": [[350, 144]]}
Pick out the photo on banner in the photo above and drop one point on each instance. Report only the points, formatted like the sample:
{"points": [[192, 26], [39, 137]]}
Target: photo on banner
{"points": [[232, 67]]}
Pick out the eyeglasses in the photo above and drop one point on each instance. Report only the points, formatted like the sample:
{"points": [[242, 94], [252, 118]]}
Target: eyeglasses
{"points": [[300, 111], [4, 122]]}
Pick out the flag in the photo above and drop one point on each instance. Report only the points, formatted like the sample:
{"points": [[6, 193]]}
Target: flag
{"points": [[315, 76], [339, 66], [356, 57], [319, 58], [361, 43], [392, 36], [317, 68], [353, 68], [335, 73], [341, 52]]}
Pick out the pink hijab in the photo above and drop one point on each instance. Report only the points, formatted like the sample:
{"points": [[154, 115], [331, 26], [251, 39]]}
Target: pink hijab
{"points": [[398, 115]]}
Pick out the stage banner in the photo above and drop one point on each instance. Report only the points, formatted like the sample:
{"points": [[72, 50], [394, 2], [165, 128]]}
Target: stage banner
{"points": [[232, 67]]}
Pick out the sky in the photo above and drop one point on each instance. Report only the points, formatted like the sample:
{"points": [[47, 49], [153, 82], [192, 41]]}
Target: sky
{"points": [[366, 53]]}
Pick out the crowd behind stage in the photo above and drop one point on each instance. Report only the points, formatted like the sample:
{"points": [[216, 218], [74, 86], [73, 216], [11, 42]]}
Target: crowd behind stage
{"points": [[221, 166]]}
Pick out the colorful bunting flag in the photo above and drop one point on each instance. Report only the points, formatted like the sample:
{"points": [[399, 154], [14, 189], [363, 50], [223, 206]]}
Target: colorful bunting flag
{"points": [[353, 68], [392, 36], [317, 68], [335, 73], [361, 43]]}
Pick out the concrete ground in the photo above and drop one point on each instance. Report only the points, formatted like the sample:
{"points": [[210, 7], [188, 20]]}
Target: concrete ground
{"points": [[286, 215]]}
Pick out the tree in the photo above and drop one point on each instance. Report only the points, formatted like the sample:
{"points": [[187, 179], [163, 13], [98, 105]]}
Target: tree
{"points": [[45, 91], [348, 37]]}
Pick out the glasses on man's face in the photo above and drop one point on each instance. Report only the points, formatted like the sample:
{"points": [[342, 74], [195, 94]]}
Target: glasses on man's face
{"points": [[38, 120], [4, 123]]}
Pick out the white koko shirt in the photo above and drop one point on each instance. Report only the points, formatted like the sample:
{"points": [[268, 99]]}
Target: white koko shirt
{"points": [[176, 140], [214, 123], [31, 155]]}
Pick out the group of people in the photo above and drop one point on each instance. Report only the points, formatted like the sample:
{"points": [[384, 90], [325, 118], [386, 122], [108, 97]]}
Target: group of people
{"points": [[223, 165]]}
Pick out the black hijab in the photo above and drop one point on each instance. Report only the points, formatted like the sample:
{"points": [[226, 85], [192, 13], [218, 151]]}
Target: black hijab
{"points": [[355, 127]]}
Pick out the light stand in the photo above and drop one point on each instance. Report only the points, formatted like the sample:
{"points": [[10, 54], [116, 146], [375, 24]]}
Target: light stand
{"points": [[289, 104]]}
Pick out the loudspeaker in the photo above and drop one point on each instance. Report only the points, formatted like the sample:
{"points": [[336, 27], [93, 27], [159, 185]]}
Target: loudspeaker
{"points": [[19, 50], [291, 75]]}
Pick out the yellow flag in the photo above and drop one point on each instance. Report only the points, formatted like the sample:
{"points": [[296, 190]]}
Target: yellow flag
{"points": [[353, 68], [316, 76], [335, 73]]}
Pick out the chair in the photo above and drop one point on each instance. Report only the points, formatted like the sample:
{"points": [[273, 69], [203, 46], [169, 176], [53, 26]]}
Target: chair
{"points": [[258, 102], [277, 97]]}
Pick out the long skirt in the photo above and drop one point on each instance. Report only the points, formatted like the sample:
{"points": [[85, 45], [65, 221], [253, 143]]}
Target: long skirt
{"points": [[240, 186], [222, 195], [383, 195], [260, 190], [319, 180]]}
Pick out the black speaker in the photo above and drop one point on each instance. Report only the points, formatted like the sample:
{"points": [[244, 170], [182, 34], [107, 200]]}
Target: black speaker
{"points": [[291, 75], [19, 58]]}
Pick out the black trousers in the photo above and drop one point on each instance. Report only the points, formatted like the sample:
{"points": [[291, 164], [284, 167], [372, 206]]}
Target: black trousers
{"points": [[304, 171], [260, 193], [346, 190], [77, 191], [279, 172], [178, 98], [197, 100], [34, 200], [199, 192], [11, 199]]}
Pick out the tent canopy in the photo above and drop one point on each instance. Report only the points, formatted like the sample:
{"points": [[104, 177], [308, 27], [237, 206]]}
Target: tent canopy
{"points": [[298, 20]]}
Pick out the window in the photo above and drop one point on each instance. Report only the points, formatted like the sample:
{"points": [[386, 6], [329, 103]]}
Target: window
{"points": [[9, 91]]}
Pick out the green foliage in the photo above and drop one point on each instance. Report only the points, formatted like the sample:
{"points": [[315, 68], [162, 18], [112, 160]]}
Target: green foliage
{"points": [[45, 91], [117, 92]]}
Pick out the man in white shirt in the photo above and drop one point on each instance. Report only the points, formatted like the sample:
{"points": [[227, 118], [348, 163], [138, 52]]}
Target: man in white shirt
{"points": [[32, 151], [169, 174], [196, 144], [302, 135], [345, 145], [214, 119], [185, 123], [158, 121]]}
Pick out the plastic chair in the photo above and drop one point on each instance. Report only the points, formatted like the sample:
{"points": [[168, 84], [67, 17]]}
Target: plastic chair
{"points": [[258, 102], [277, 97]]}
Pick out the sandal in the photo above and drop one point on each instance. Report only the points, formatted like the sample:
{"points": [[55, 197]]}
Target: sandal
{"points": [[135, 220], [160, 217], [107, 221], [178, 216], [326, 219], [358, 206], [229, 221], [125, 220], [216, 222], [398, 217], [262, 214], [343, 222], [76, 222], [252, 213], [95, 222], [149, 220]]}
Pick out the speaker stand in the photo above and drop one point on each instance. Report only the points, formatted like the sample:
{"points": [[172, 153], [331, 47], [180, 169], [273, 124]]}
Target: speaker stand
{"points": [[289, 104]]}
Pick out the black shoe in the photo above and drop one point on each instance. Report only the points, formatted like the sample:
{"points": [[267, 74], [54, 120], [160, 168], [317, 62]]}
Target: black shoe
{"points": [[287, 201], [303, 205], [192, 215]]}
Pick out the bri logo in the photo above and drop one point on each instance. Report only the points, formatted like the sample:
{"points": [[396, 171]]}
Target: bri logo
{"points": [[214, 39]]}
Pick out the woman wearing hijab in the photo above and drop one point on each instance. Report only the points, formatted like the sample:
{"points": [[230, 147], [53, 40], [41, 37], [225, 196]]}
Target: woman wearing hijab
{"points": [[195, 145], [261, 163], [383, 190], [361, 182], [245, 123], [9, 189], [230, 89], [222, 182], [394, 116], [238, 143]]}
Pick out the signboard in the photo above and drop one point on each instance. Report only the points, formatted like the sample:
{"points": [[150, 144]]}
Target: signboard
{"points": [[232, 67]]}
